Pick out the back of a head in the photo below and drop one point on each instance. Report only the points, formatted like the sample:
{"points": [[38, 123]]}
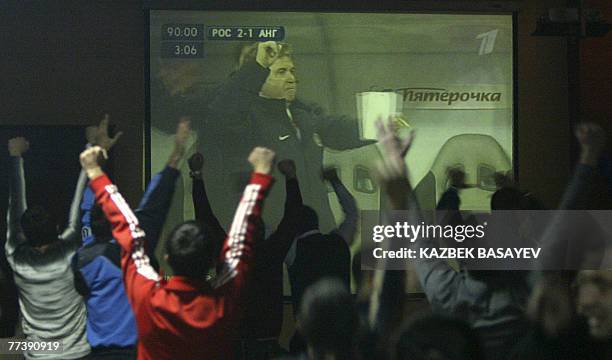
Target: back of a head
{"points": [[510, 198], [437, 337], [309, 220], [39, 226], [328, 318], [100, 227], [507, 199], [189, 249]]}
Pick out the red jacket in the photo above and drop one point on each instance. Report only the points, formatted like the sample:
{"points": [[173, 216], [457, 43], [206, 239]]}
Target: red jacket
{"points": [[184, 318]]}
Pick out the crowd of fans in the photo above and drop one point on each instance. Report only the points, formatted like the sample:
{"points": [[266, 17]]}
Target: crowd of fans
{"points": [[97, 287]]}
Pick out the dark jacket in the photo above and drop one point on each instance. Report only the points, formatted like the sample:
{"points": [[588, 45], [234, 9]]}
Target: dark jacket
{"points": [[250, 120]]}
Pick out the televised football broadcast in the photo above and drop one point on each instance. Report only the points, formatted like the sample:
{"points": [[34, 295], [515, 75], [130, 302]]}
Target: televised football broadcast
{"points": [[310, 86]]}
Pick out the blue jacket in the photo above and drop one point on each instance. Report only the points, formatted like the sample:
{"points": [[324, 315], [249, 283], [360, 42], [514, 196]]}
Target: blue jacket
{"points": [[97, 266]]}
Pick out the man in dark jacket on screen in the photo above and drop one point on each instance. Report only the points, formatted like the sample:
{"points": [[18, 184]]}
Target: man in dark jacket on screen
{"points": [[258, 105]]}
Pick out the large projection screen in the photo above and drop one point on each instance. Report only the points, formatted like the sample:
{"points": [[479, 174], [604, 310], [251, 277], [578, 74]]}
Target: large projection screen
{"points": [[448, 76]]}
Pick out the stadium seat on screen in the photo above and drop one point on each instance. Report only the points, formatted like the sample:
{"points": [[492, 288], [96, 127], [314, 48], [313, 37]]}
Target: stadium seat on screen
{"points": [[480, 156], [356, 170]]}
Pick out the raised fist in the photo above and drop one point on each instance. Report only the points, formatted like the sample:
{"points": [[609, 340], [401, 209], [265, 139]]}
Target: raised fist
{"points": [[329, 174], [93, 158], [267, 53], [262, 159], [591, 136], [287, 168], [17, 146], [101, 137], [182, 134], [393, 151], [196, 162]]}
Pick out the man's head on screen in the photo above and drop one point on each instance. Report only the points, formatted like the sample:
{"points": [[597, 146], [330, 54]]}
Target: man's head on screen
{"points": [[282, 81]]}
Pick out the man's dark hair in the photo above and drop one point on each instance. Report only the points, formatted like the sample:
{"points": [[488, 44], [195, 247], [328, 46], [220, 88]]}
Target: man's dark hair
{"points": [[438, 337], [507, 199], [328, 318], [309, 219], [100, 227], [39, 226], [190, 250], [513, 199]]}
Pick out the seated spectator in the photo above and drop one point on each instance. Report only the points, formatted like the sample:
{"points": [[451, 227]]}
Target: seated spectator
{"points": [[184, 317], [40, 258]]}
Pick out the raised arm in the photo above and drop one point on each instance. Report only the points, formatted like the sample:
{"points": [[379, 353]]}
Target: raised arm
{"points": [[203, 211], [338, 132], [279, 242], [236, 95], [557, 239], [438, 280], [87, 203], [293, 199], [95, 135], [125, 226], [72, 232], [578, 192], [238, 247], [155, 203], [17, 195], [348, 227], [138, 275], [388, 287]]}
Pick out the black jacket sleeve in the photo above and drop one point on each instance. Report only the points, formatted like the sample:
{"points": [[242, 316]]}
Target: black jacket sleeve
{"points": [[205, 215], [279, 242], [235, 97]]}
